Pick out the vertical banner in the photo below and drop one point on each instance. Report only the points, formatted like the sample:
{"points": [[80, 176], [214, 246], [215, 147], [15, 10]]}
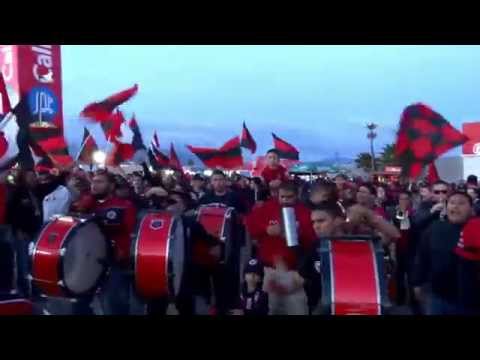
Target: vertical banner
{"points": [[9, 69], [33, 72]]}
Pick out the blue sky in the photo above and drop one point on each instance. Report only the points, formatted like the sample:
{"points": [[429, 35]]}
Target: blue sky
{"points": [[316, 97]]}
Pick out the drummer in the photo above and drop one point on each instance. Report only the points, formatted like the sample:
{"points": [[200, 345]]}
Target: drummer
{"points": [[221, 194], [224, 281], [195, 293], [117, 217]]}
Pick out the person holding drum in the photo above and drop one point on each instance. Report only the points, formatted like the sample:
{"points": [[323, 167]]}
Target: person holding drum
{"points": [[282, 282], [192, 292], [225, 277], [117, 219]]}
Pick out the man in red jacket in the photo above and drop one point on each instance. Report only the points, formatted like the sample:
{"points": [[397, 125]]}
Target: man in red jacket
{"points": [[265, 225], [117, 218], [274, 174]]}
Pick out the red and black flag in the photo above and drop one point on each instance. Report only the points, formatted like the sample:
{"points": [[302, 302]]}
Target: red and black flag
{"points": [[423, 136], [120, 153], [286, 150], [5, 106], [229, 156], [89, 147], [51, 141], [174, 163], [112, 127], [247, 140], [102, 111], [158, 160], [137, 141]]}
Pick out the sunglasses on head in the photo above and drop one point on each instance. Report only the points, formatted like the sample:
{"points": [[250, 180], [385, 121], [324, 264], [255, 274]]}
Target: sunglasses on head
{"points": [[438, 192]]}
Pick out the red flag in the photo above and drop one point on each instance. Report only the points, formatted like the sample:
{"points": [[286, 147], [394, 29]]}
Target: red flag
{"points": [[247, 140], [174, 161], [229, 156], [89, 146], [423, 136], [112, 127], [4, 99], [102, 111], [51, 141], [120, 153], [432, 175], [286, 150]]}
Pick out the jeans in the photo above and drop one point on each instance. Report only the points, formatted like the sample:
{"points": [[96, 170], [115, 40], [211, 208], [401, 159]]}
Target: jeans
{"points": [[115, 296]]}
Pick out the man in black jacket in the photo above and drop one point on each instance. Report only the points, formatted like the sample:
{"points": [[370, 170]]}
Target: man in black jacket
{"points": [[436, 263], [220, 194]]}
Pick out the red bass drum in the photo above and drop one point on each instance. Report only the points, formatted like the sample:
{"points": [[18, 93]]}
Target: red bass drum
{"points": [[70, 258], [220, 222], [353, 276], [159, 255]]}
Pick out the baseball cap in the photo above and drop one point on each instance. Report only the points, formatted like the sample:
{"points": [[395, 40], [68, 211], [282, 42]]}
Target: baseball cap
{"points": [[254, 266], [468, 246]]}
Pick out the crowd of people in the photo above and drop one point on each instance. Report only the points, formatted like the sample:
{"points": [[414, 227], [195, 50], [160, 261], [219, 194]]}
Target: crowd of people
{"points": [[429, 232]]}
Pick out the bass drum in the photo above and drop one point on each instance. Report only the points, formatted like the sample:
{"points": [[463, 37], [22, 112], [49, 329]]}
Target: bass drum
{"points": [[353, 276], [221, 222], [158, 253], [70, 258]]}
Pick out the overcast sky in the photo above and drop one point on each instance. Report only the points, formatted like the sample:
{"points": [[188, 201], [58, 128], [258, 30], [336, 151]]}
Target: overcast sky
{"points": [[317, 97]]}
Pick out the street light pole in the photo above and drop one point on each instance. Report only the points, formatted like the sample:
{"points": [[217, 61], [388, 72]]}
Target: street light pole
{"points": [[371, 135]]}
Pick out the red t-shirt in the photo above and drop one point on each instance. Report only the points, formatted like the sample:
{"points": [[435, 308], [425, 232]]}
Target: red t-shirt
{"points": [[270, 247], [269, 174]]}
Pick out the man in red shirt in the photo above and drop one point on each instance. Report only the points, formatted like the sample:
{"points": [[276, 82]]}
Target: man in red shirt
{"points": [[282, 281], [274, 174], [117, 219]]}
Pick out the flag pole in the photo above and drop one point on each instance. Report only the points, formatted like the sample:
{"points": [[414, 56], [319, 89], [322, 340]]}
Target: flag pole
{"points": [[81, 148]]}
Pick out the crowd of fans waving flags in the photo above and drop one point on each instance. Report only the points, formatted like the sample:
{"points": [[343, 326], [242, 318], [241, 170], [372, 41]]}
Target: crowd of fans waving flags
{"points": [[423, 136]]}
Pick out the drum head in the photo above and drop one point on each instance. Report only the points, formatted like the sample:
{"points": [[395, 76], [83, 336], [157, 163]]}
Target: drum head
{"points": [[84, 259], [176, 256]]}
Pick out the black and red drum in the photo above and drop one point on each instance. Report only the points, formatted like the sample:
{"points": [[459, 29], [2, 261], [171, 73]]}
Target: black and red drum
{"points": [[70, 257], [159, 255], [221, 222], [353, 276]]}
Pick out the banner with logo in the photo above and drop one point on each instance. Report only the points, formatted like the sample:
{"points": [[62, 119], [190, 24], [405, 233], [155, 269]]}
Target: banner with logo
{"points": [[472, 130], [34, 71]]}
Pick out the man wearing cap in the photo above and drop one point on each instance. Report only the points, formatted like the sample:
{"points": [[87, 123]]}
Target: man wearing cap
{"points": [[468, 251]]}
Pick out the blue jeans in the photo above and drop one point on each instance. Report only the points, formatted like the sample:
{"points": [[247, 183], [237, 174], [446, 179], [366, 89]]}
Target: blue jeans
{"points": [[116, 293]]}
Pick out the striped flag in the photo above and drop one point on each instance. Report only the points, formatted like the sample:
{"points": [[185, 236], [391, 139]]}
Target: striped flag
{"points": [[102, 111], [51, 141], [89, 147], [286, 150], [229, 156]]}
